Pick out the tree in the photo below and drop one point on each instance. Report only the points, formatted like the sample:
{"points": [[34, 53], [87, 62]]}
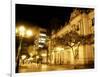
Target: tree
{"points": [[74, 40], [71, 40]]}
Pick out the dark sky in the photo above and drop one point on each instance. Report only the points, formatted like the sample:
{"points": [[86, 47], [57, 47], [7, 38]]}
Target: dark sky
{"points": [[44, 16]]}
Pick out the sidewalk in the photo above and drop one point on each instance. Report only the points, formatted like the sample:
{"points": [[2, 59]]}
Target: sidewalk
{"points": [[50, 67]]}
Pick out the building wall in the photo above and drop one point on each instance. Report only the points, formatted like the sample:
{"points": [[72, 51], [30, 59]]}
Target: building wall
{"points": [[82, 21]]}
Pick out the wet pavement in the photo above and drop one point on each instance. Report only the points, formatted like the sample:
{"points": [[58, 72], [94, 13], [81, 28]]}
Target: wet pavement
{"points": [[47, 67]]}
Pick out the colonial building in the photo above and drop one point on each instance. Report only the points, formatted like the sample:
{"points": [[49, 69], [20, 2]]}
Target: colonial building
{"points": [[82, 22]]}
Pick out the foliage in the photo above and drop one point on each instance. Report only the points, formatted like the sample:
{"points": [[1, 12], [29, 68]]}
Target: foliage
{"points": [[73, 39]]}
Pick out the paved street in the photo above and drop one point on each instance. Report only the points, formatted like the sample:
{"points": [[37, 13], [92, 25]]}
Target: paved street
{"points": [[44, 67]]}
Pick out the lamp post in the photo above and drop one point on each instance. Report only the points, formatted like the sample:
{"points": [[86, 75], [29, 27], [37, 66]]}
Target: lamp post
{"points": [[21, 31]]}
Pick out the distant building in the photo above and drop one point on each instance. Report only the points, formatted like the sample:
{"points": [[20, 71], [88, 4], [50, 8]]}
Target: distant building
{"points": [[41, 45]]}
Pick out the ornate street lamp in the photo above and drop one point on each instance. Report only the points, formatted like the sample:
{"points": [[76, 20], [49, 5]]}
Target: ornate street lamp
{"points": [[21, 32]]}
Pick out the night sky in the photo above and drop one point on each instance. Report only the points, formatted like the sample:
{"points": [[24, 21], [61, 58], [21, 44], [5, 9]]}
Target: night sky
{"points": [[48, 17]]}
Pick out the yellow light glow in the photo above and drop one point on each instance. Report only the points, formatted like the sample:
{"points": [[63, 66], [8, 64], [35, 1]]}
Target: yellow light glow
{"points": [[41, 46], [42, 34], [29, 33], [16, 30], [30, 58], [22, 31], [59, 49], [37, 57], [44, 54], [31, 54], [44, 66], [23, 57], [42, 41], [52, 53]]}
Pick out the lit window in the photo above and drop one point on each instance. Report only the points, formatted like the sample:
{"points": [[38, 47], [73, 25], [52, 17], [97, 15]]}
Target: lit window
{"points": [[42, 34]]}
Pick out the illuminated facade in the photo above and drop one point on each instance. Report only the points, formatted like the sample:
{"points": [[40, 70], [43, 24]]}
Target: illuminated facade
{"points": [[81, 22]]}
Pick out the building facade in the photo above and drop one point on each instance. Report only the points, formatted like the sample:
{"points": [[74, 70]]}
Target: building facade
{"points": [[82, 22]]}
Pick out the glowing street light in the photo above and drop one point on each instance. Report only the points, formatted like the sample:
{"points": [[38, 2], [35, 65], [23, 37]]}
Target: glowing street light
{"points": [[22, 31], [29, 33]]}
